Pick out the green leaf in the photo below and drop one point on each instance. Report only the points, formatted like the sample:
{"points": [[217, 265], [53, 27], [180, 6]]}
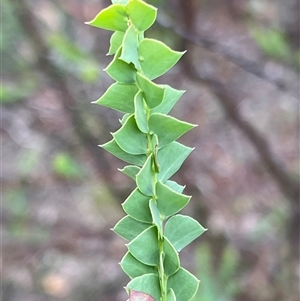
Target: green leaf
{"points": [[156, 58], [115, 42], [129, 228], [112, 18], [113, 148], [130, 138], [153, 93], [156, 220], [169, 201], [171, 158], [141, 14], [120, 1], [171, 96], [137, 206], [130, 48], [131, 171], [144, 179], [119, 97], [182, 230], [65, 166], [168, 128], [140, 113], [121, 71], [134, 268], [171, 260], [184, 284], [175, 186], [148, 283], [171, 295], [139, 296], [145, 247]]}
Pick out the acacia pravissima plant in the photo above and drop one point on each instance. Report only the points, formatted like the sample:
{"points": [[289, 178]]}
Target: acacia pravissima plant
{"points": [[155, 232]]}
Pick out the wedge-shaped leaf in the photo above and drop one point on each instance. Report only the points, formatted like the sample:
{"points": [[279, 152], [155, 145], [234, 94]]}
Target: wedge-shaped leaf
{"points": [[175, 186], [148, 283], [171, 96], [171, 158], [156, 220], [184, 284], [113, 148], [182, 230], [145, 247], [153, 93], [119, 97], [169, 201], [115, 42], [171, 295], [129, 228], [171, 260], [139, 296], [121, 71], [141, 14], [131, 171], [168, 128], [157, 58], [130, 138], [134, 268], [112, 18], [130, 48], [137, 206], [140, 113], [144, 179]]}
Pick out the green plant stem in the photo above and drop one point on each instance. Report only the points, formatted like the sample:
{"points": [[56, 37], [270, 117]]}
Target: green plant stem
{"points": [[161, 270], [147, 139]]}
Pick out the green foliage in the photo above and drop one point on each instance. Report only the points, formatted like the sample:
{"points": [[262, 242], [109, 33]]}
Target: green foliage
{"points": [[27, 163], [217, 283], [155, 232], [72, 59], [65, 166], [16, 203], [272, 42], [11, 93]]}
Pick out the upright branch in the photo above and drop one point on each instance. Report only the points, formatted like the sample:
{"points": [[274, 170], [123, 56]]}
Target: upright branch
{"points": [[155, 232]]}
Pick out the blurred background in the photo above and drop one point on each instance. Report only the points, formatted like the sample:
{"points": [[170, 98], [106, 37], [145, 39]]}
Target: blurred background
{"points": [[61, 193]]}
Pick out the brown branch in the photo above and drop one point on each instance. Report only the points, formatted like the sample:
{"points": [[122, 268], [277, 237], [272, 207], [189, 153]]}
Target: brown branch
{"points": [[288, 186], [227, 99], [254, 68]]}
